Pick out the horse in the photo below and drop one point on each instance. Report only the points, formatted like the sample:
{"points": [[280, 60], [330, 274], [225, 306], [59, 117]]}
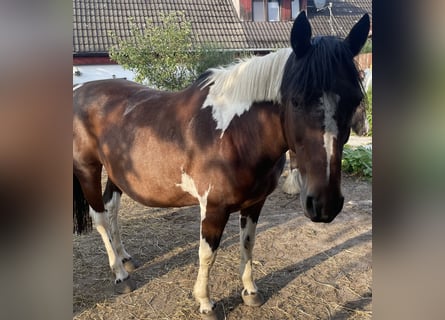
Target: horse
{"points": [[359, 125], [219, 144]]}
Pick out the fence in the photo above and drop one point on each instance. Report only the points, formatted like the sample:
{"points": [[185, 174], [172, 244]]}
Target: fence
{"points": [[364, 61]]}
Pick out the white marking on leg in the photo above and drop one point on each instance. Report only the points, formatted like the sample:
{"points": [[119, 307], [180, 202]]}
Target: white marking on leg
{"points": [[112, 208], [206, 254], [101, 222], [77, 86], [201, 289], [366, 126], [234, 89], [247, 241], [290, 185], [329, 104]]}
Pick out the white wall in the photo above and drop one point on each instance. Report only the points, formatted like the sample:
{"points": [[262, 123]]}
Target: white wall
{"points": [[99, 72]]}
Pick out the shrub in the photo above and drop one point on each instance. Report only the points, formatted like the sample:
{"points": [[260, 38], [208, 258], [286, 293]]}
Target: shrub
{"points": [[163, 55], [211, 56], [160, 55], [358, 161]]}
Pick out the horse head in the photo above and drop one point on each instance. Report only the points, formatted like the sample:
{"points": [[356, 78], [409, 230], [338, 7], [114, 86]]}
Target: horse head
{"points": [[320, 93]]}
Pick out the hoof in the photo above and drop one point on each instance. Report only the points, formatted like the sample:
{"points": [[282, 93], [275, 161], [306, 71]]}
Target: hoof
{"points": [[131, 264], [213, 314], [252, 299], [125, 286]]}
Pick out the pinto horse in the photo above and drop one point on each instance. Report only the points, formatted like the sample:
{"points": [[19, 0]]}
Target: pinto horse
{"points": [[359, 125], [219, 144]]}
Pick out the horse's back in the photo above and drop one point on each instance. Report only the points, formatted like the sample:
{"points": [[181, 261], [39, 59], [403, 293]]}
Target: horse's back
{"points": [[117, 104], [131, 129], [92, 103], [98, 108], [102, 96]]}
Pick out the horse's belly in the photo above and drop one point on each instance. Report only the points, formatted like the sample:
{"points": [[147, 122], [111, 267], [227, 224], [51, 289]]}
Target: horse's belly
{"points": [[157, 193], [170, 178], [153, 185]]}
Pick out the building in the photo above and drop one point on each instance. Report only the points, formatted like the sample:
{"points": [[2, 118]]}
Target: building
{"points": [[253, 25]]}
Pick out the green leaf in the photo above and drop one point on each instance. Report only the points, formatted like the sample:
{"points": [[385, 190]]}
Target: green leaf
{"points": [[357, 161], [163, 55]]}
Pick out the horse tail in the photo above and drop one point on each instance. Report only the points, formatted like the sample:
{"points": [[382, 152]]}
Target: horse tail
{"points": [[81, 218]]}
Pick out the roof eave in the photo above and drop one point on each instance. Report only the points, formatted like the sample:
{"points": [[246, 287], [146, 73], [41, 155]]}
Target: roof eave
{"points": [[90, 54]]}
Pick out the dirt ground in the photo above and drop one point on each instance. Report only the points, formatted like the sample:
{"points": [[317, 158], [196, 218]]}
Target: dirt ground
{"points": [[305, 270]]}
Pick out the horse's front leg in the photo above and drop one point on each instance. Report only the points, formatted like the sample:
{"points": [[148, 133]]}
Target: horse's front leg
{"points": [[248, 221], [212, 227], [291, 184]]}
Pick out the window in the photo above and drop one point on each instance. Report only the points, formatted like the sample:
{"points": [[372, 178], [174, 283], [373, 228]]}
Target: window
{"points": [[295, 8], [273, 10], [266, 10], [259, 10]]}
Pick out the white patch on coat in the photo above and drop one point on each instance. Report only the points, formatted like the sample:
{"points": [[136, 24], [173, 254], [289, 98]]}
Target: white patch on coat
{"points": [[77, 86], [188, 185], [234, 89], [329, 105]]}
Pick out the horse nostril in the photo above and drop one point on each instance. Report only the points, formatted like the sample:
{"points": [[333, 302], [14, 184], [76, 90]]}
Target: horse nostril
{"points": [[319, 211]]}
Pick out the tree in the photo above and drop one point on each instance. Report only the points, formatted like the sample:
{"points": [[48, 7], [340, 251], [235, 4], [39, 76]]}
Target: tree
{"points": [[163, 55]]}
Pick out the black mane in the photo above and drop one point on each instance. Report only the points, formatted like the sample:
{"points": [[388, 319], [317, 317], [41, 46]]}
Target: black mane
{"points": [[306, 78]]}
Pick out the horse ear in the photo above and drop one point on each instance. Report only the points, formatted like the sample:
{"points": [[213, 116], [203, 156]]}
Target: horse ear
{"points": [[300, 36], [358, 35]]}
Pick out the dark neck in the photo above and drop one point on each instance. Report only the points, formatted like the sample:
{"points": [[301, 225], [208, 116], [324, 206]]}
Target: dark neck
{"points": [[260, 132]]}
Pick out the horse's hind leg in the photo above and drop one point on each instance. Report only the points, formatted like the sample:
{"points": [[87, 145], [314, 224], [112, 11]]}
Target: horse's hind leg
{"points": [[111, 198], [90, 180], [248, 221]]}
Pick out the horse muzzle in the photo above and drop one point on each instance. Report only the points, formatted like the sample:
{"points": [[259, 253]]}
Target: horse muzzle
{"points": [[322, 208], [322, 211]]}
